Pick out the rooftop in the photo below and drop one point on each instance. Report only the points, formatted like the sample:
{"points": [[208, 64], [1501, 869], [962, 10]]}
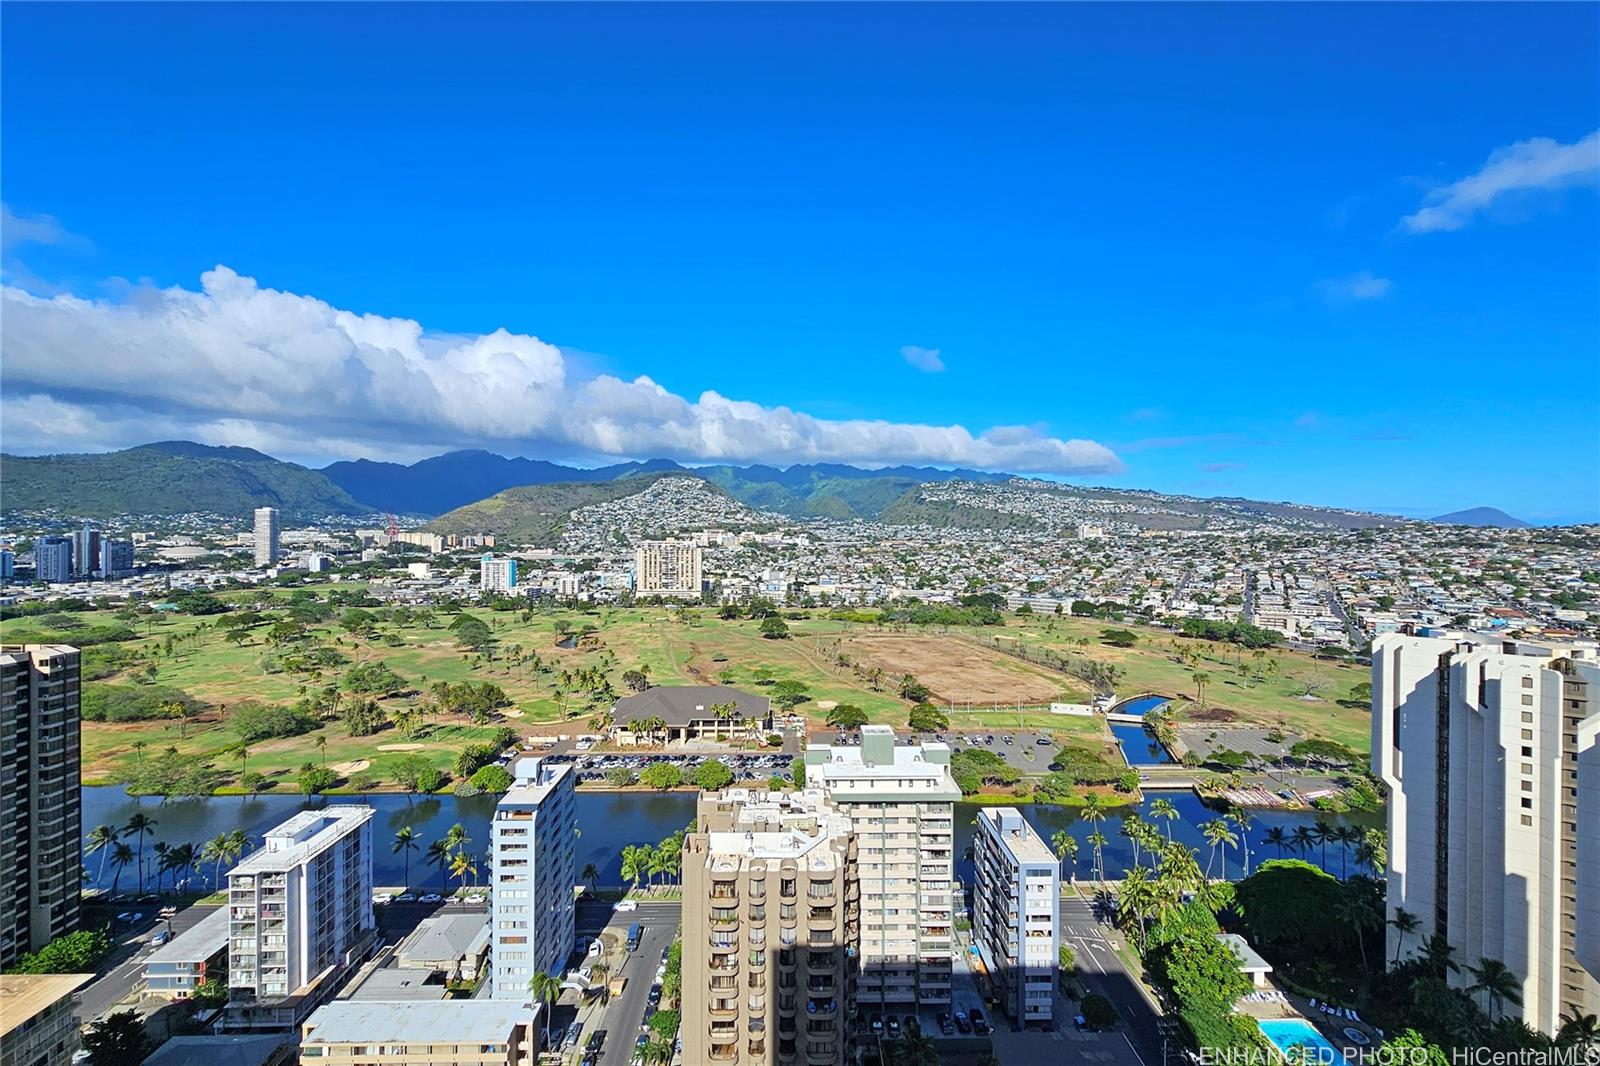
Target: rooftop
{"points": [[1249, 960], [1020, 840], [444, 938], [218, 1050], [302, 837], [678, 705], [534, 779], [196, 944], [25, 996], [456, 1021]]}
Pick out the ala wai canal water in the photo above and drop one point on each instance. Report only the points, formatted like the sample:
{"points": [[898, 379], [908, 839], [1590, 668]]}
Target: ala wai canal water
{"points": [[609, 820]]}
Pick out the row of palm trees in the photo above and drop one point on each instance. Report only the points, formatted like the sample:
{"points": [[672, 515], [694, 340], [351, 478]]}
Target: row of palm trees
{"points": [[449, 853], [111, 844], [1303, 838], [650, 861]]}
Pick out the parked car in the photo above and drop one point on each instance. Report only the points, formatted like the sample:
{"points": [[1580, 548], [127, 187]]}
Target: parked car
{"points": [[980, 1025], [432, 897], [1043, 742], [476, 897], [160, 938], [596, 949], [130, 917], [894, 1027], [946, 1025], [963, 1022], [406, 897], [626, 905], [877, 1025]]}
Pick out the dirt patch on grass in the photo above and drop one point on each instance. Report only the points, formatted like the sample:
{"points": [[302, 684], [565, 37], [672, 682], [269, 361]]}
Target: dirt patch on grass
{"points": [[956, 672]]}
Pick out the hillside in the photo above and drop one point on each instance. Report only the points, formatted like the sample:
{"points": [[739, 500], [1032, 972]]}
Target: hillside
{"points": [[1482, 516], [170, 477], [443, 483], [537, 514]]}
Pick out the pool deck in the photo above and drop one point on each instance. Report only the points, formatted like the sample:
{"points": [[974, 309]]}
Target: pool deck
{"points": [[1300, 1007]]}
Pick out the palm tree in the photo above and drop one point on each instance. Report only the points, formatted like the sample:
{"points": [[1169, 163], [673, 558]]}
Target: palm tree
{"points": [[1321, 833], [1359, 916], [1406, 924], [1065, 845], [439, 854], [1134, 899], [180, 858], [1164, 810], [1302, 838], [1495, 978], [1242, 819], [546, 989], [121, 855], [1344, 836], [455, 838], [140, 825], [1277, 838], [1097, 840], [1578, 1030], [242, 753], [161, 864], [1200, 677], [1439, 956], [321, 744], [916, 1048], [461, 866], [1218, 835], [591, 875], [101, 837], [405, 842]]}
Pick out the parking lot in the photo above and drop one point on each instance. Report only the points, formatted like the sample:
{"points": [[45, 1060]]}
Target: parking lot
{"points": [[1029, 750], [593, 766]]}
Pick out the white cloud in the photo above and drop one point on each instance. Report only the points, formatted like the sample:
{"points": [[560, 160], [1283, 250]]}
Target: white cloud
{"points": [[17, 230], [1363, 285], [240, 364], [1538, 163], [924, 359]]}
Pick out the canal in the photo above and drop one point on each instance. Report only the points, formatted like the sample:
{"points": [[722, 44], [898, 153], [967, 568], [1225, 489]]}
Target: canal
{"points": [[609, 820]]}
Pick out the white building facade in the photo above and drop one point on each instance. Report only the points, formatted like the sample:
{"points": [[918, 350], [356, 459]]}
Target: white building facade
{"points": [[300, 915], [532, 911], [266, 536], [497, 573], [1015, 901], [1488, 747], [900, 801]]}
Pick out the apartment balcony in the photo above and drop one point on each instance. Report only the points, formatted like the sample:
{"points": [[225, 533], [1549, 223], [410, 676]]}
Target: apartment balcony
{"points": [[722, 944], [758, 1049], [821, 1052], [823, 918], [822, 1008], [723, 965], [821, 890], [724, 1008], [723, 1052]]}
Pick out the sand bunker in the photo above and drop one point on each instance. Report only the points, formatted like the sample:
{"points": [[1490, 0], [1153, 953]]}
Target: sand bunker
{"points": [[355, 766], [399, 747]]}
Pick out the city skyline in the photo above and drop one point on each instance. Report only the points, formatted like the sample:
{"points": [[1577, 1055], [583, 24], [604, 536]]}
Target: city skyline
{"points": [[1104, 292]]}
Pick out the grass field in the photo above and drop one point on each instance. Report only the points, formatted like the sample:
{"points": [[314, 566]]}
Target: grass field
{"points": [[977, 674]]}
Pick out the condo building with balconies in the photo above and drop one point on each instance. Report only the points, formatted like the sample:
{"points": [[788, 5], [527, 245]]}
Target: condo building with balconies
{"points": [[770, 930], [1015, 902], [41, 832], [531, 908], [1491, 751], [900, 799], [299, 917]]}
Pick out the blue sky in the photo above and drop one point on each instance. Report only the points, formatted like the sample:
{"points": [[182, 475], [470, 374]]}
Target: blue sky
{"points": [[1337, 255]]}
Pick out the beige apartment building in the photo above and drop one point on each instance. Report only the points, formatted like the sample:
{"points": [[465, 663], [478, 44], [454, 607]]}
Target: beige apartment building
{"points": [[38, 1026], [900, 799], [41, 832], [449, 1032], [1491, 751], [770, 930], [667, 568]]}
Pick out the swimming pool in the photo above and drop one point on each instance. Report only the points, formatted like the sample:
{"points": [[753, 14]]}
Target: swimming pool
{"points": [[1289, 1034]]}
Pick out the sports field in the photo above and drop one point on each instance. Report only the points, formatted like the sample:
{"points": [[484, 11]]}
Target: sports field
{"points": [[558, 668]]}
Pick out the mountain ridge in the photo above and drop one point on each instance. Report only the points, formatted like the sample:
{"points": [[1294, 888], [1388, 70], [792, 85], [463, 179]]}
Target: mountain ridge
{"points": [[1481, 516]]}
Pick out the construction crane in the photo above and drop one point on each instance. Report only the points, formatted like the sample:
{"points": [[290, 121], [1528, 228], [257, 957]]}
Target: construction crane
{"points": [[394, 527]]}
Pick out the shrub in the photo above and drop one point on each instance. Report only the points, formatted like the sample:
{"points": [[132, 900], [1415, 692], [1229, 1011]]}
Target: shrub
{"points": [[774, 740], [662, 776], [133, 703], [621, 777], [417, 773], [257, 721], [777, 783], [1098, 1012], [494, 779], [72, 953], [315, 780], [374, 677], [712, 775]]}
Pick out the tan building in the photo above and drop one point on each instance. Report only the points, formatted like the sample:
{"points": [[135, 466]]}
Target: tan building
{"points": [[667, 568], [41, 831], [900, 799], [770, 930], [451, 1032], [37, 1027], [1491, 751]]}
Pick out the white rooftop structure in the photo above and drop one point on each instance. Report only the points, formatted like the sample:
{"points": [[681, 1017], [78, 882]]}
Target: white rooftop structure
{"points": [[302, 837], [455, 1021]]}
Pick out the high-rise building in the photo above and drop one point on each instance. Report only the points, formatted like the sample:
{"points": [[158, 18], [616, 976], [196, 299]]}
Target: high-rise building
{"points": [[52, 559], [770, 924], [900, 800], [41, 830], [497, 573], [8, 564], [266, 536], [37, 1026], [1015, 901], [1489, 749], [86, 552], [531, 909], [667, 568], [300, 915], [116, 557]]}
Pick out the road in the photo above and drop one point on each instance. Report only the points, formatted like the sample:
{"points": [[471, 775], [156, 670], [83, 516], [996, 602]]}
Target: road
{"points": [[625, 1013], [124, 967], [1103, 972]]}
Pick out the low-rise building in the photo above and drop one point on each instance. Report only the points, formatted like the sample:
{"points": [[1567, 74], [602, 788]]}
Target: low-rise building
{"points": [[679, 713], [476, 1032], [1015, 904], [189, 959]]}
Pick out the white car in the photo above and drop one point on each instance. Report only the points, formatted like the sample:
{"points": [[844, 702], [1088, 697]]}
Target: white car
{"points": [[432, 897], [596, 948], [626, 905], [476, 897], [382, 897]]}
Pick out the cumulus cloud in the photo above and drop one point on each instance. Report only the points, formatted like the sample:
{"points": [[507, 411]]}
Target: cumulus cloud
{"points": [[238, 363], [926, 360], [1538, 163], [1363, 285]]}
